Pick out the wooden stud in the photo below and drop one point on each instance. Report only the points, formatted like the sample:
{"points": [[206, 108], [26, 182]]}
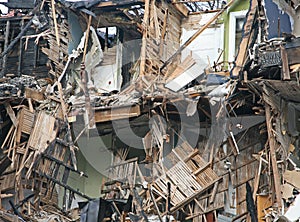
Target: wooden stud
{"points": [[4, 59], [144, 39], [272, 144], [163, 33], [55, 23], [248, 32], [214, 192], [11, 114], [285, 64], [86, 38]]}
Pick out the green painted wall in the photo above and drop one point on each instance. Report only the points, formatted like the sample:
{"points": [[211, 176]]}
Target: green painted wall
{"points": [[239, 5], [90, 186]]}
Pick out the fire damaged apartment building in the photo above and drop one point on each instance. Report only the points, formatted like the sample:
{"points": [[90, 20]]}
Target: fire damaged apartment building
{"points": [[149, 110]]}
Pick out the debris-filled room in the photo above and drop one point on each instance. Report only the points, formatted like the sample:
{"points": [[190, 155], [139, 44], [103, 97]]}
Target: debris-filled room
{"points": [[149, 110]]}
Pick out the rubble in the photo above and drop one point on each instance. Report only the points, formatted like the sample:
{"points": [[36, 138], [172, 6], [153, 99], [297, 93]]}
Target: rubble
{"points": [[187, 142]]}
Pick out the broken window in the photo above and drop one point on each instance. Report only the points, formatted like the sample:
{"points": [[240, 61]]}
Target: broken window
{"points": [[238, 32], [236, 22], [107, 37]]}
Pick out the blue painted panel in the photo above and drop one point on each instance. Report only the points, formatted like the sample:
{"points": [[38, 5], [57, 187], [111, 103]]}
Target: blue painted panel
{"points": [[276, 16]]}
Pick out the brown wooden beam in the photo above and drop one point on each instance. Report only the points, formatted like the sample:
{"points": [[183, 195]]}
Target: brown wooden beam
{"points": [[246, 39], [272, 144], [285, 64], [111, 114]]}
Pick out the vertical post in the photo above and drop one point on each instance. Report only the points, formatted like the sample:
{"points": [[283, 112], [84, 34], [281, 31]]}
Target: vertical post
{"points": [[168, 202], [86, 38], [106, 39], [285, 64], [20, 51], [55, 22], [272, 144], [144, 39], [4, 60]]}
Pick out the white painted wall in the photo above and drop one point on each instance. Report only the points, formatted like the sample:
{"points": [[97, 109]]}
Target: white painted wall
{"points": [[205, 50], [206, 47], [108, 78]]}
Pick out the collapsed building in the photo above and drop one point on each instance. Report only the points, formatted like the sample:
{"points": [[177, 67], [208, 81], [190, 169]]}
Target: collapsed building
{"points": [[170, 122]]}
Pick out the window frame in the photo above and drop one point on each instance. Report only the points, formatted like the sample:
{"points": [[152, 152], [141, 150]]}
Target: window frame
{"points": [[233, 16]]}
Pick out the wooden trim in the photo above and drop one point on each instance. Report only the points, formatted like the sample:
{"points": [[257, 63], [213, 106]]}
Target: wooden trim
{"points": [[111, 114]]}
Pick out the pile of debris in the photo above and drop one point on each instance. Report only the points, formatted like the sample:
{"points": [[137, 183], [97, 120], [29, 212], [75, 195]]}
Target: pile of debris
{"points": [[188, 143]]}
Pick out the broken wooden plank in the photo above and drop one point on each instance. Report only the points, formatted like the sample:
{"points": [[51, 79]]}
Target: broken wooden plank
{"points": [[257, 179], [285, 64], [55, 22], [214, 192], [144, 39], [156, 23], [87, 34], [247, 34], [44, 132], [116, 113], [188, 62], [272, 144], [11, 114], [163, 32], [181, 8], [34, 94]]}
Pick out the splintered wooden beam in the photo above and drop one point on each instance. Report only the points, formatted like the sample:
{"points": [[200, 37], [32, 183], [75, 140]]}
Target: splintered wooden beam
{"points": [[188, 62], [55, 22], [86, 38], [11, 114], [65, 114], [144, 39], [181, 8], [248, 34], [285, 64], [163, 32], [272, 144]]}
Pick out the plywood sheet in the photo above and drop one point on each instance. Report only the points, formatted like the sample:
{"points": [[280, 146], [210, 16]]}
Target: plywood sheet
{"points": [[43, 133]]}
